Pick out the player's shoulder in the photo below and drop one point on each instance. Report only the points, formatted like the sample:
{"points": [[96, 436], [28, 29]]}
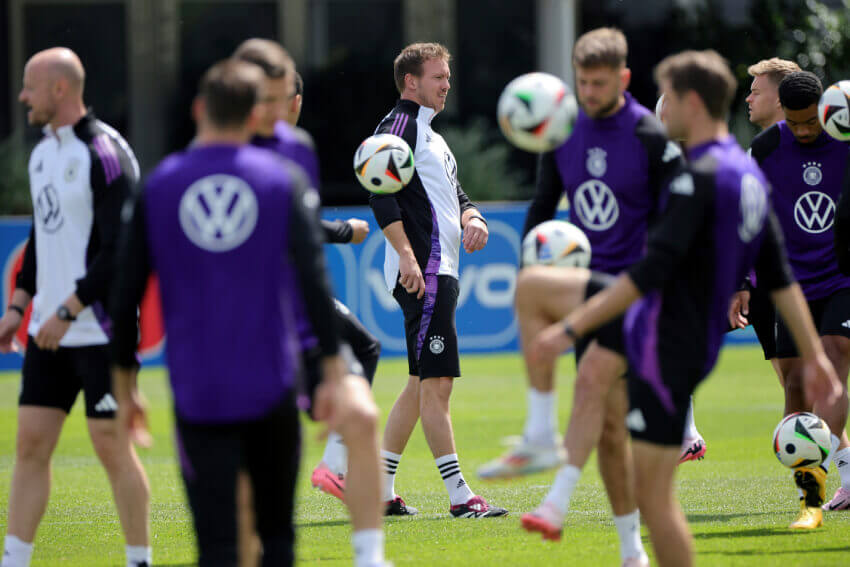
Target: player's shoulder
{"points": [[401, 121], [303, 138], [108, 148], [767, 142]]}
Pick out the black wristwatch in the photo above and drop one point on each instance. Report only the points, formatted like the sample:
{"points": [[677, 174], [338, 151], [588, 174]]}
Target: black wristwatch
{"points": [[479, 217], [570, 332], [64, 314]]}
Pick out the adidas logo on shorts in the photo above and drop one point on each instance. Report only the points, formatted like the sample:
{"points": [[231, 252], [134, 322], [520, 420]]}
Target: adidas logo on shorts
{"points": [[635, 420], [846, 324], [106, 403]]}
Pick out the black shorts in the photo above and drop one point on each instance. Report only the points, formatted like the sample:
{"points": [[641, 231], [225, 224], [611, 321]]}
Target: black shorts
{"points": [[211, 456], [609, 335], [53, 379], [311, 370], [763, 317], [366, 348], [429, 327], [658, 405], [830, 314]]}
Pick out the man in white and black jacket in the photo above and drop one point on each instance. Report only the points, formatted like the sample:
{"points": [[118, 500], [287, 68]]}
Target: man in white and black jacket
{"points": [[424, 225], [80, 174]]}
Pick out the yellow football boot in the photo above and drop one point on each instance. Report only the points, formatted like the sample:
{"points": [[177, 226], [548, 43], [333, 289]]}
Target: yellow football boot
{"points": [[813, 484], [809, 518]]}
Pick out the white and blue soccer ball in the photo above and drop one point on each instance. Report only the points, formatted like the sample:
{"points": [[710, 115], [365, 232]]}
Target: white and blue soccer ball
{"points": [[383, 163], [537, 112], [834, 111], [802, 440], [556, 243]]}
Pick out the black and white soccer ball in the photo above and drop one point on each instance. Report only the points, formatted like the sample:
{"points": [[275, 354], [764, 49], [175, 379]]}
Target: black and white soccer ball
{"points": [[537, 112], [556, 243], [383, 163], [834, 111], [802, 439]]}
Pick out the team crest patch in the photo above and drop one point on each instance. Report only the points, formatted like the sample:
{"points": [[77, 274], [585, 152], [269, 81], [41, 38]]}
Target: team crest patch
{"points": [[596, 164], [71, 170], [436, 345], [812, 173]]}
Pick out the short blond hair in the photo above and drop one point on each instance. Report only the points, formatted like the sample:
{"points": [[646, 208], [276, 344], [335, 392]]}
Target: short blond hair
{"points": [[775, 69], [602, 47], [413, 57]]}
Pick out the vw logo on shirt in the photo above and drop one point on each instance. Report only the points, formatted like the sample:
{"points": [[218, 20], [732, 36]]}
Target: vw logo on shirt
{"points": [[814, 212], [47, 209], [595, 205], [753, 207], [218, 212]]}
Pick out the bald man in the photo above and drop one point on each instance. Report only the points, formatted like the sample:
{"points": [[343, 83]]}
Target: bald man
{"points": [[80, 174]]}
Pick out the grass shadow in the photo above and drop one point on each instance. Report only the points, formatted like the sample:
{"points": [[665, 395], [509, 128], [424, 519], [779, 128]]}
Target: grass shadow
{"points": [[326, 523], [753, 532], [760, 552], [706, 518]]}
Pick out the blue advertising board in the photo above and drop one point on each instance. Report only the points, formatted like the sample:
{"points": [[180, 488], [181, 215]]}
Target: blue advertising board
{"points": [[485, 319]]}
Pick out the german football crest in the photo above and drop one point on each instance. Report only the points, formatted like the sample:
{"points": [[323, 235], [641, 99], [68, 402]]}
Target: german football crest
{"points": [[437, 345], [596, 164], [812, 173]]}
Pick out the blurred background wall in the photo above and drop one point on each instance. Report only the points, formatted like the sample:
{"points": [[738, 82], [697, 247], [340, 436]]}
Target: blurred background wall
{"points": [[144, 59]]}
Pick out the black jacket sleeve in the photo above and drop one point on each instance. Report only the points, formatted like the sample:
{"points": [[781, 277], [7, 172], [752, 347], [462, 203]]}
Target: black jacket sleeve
{"points": [[337, 232], [772, 269], [842, 225], [25, 279], [463, 200], [385, 207], [765, 144], [133, 267], [305, 249], [548, 193], [108, 200], [665, 158], [671, 237]]}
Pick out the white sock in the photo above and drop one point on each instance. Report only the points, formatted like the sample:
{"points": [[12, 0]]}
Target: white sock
{"points": [[389, 462], [690, 426], [139, 555], [368, 548], [834, 443], [842, 461], [628, 528], [563, 487], [336, 454], [459, 492], [16, 553], [541, 422]]}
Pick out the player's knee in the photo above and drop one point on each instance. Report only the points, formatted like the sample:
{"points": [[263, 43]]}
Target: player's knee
{"points": [[111, 448], [527, 288], [614, 435], [33, 447], [435, 393], [590, 386]]}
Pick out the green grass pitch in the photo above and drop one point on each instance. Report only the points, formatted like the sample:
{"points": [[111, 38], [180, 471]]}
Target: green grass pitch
{"points": [[739, 500]]}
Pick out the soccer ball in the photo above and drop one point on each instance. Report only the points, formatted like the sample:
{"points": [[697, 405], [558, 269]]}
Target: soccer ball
{"points": [[801, 439], [383, 164], [556, 243], [537, 112], [834, 111]]}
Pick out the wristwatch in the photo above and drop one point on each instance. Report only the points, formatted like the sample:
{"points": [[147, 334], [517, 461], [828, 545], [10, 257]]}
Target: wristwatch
{"points": [[64, 314]]}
